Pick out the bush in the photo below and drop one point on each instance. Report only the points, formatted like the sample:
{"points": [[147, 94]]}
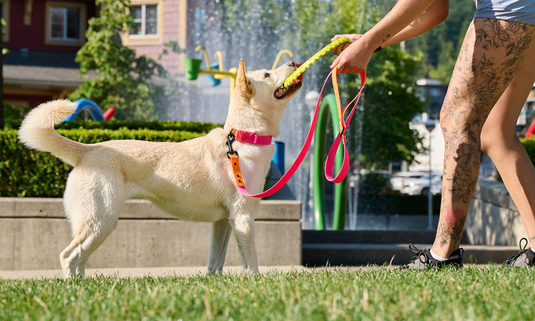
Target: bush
{"points": [[190, 126], [529, 145], [13, 116], [30, 173]]}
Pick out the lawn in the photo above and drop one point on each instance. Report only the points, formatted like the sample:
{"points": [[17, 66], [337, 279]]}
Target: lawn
{"points": [[474, 293]]}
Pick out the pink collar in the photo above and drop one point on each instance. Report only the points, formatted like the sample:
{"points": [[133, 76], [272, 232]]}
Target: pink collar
{"points": [[252, 138]]}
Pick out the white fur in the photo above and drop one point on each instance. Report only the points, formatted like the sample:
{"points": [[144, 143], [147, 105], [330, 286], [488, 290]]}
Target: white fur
{"points": [[192, 180]]}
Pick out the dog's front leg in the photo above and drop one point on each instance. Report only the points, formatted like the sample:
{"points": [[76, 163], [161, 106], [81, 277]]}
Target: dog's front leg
{"points": [[243, 225], [218, 248]]}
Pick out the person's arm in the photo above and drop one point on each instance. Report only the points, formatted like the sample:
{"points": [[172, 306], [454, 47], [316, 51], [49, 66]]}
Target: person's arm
{"points": [[404, 21], [432, 17]]}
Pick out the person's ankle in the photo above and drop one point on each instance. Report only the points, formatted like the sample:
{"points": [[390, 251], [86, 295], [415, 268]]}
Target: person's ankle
{"points": [[437, 257], [441, 252]]}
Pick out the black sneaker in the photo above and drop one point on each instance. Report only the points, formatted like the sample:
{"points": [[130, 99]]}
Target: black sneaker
{"points": [[423, 259], [525, 257]]}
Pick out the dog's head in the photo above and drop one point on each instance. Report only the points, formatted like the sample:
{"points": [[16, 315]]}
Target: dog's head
{"points": [[266, 86], [260, 94]]}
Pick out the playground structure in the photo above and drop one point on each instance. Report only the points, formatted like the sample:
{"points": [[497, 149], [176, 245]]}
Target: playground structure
{"points": [[215, 72], [93, 109]]}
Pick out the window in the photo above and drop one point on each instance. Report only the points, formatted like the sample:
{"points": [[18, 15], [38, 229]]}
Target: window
{"points": [[147, 23], [65, 23], [145, 18], [5, 16]]}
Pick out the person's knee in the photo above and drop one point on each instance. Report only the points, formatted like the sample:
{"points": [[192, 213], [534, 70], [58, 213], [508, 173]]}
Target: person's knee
{"points": [[494, 140], [486, 141]]}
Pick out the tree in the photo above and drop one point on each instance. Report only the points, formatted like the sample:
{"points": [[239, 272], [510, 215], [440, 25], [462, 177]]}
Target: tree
{"points": [[124, 81], [441, 44]]}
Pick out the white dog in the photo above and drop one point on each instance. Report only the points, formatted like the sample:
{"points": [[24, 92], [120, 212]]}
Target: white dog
{"points": [[192, 180]]}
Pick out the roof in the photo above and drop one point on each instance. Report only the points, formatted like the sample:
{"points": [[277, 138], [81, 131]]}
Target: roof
{"points": [[44, 77], [47, 77], [39, 69]]}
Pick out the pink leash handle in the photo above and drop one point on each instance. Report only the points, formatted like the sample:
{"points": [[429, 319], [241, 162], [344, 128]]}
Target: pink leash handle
{"points": [[329, 162]]}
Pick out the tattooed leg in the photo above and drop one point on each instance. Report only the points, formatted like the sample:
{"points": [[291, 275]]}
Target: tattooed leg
{"points": [[490, 56], [500, 142]]}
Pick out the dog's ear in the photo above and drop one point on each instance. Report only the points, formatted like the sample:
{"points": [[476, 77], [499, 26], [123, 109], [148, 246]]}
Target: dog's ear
{"points": [[243, 82]]}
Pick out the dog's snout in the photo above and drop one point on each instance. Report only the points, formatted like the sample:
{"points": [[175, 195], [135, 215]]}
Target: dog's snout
{"points": [[291, 64]]}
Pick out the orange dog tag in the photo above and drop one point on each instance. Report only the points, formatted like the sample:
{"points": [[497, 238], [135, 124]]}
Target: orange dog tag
{"points": [[234, 161]]}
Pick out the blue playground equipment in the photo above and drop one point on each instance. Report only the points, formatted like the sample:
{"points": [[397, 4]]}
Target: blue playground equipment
{"points": [[89, 105], [278, 157], [211, 78]]}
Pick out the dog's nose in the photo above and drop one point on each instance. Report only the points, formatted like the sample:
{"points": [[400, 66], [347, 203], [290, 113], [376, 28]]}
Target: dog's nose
{"points": [[291, 64]]}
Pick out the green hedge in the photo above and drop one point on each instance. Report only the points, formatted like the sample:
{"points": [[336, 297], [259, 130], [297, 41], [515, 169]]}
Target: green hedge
{"points": [[195, 127], [30, 173], [529, 145], [190, 126]]}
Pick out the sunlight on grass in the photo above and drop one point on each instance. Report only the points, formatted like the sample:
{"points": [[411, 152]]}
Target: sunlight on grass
{"points": [[492, 293]]}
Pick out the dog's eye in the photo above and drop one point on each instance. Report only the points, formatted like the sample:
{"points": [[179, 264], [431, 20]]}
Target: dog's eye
{"points": [[266, 75]]}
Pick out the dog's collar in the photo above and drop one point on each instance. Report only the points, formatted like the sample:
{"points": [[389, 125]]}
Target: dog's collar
{"points": [[252, 138], [244, 137]]}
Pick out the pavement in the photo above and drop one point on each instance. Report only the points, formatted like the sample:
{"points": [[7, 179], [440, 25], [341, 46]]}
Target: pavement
{"points": [[141, 272], [193, 271]]}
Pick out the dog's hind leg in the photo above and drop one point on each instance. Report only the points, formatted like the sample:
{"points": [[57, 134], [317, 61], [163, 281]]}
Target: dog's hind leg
{"points": [[74, 257], [218, 248], [93, 216], [94, 243], [243, 225]]}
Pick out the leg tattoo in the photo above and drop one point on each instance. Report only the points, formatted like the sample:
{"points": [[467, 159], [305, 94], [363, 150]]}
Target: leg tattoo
{"points": [[490, 56], [452, 226]]}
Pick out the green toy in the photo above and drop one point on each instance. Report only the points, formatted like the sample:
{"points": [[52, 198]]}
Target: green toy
{"points": [[313, 59]]}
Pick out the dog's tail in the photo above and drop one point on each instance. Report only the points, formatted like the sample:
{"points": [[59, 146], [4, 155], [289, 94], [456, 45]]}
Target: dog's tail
{"points": [[37, 131]]}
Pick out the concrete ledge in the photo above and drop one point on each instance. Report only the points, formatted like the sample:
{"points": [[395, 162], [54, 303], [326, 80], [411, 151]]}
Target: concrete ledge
{"points": [[370, 237], [493, 218], [33, 232], [29, 207], [363, 254]]}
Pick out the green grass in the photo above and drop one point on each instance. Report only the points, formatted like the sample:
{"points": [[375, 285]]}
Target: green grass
{"points": [[492, 293]]}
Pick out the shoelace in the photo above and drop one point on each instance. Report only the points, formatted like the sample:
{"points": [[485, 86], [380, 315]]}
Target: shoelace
{"points": [[523, 249], [418, 254]]}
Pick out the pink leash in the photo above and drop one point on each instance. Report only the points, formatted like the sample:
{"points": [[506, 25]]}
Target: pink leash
{"points": [[332, 152]]}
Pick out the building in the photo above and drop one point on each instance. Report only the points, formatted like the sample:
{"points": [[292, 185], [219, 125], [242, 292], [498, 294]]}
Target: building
{"points": [[42, 38], [157, 22]]}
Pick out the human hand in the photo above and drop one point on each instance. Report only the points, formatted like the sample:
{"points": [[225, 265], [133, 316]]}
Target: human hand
{"points": [[340, 48], [353, 59]]}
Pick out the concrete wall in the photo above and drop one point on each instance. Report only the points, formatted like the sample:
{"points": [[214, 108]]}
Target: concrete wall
{"points": [[33, 232], [493, 218]]}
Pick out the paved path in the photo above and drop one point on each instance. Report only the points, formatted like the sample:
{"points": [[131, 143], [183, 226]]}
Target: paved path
{"points": [[138, 272], [186, 271]]}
